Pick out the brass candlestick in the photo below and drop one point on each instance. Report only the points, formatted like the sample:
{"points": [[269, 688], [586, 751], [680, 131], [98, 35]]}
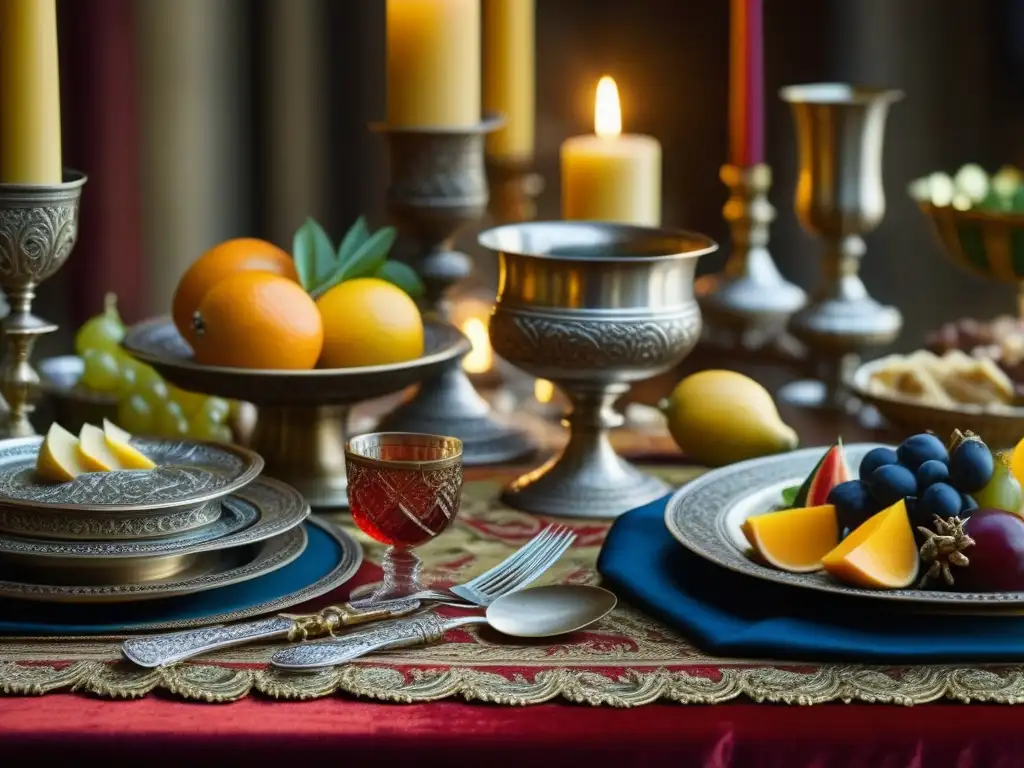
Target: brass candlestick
{"points": [[750, 300], [839, 198], [38, 229], [438, 185]]}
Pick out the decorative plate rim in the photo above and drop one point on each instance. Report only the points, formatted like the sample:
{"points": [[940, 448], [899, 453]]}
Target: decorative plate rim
{"points": [[686, 506], [252, 464]]}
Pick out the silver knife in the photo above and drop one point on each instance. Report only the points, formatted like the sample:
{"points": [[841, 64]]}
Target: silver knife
{"points": [[403, 633], [161, 650]]}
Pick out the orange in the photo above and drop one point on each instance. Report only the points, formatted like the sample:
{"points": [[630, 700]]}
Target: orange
{"points": [[258, 320], [879, 554], [228, 258], [369, 321], [794, 539]]}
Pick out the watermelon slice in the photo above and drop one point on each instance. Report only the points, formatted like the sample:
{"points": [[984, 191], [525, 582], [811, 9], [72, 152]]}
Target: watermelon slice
{"points": [[830, 471]]}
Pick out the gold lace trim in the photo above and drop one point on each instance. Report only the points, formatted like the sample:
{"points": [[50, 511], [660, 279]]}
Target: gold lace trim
{"points": [[217, 684]]}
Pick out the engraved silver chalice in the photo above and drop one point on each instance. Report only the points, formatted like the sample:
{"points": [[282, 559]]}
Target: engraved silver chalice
{"points": [[592, 307], [38, 229]]}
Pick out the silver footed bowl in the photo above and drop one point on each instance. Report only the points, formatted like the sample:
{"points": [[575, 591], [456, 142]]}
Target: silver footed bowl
{"points": [[593, 307], [302, 415]]}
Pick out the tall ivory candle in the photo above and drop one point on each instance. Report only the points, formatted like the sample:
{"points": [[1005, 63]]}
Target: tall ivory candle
{"points": [[611, 176], [30, 150], [509, 76], [433, 63]]}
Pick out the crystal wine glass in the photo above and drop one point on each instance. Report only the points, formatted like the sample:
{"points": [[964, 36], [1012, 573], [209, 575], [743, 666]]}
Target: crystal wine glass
{"points": [[403, 489]]}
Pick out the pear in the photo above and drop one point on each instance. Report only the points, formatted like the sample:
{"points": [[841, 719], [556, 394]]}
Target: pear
{"points": [[128, 456], [719, 417], [95, 452]]}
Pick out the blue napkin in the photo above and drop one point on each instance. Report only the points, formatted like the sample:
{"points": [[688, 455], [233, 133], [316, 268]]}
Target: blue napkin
{"points": [[24, 617], [731, 615]]}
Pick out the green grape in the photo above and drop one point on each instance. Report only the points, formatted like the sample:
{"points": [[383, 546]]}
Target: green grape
{"points": [[155, 391], [191, 402], [100, 371], [169, 420], [135, 415], [126, 382], [103, 331], [215, 409], [1003, 491], [201, 427]]}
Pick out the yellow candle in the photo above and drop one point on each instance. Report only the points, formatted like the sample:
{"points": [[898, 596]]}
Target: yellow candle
{"points": [[433, 62], [611, 176], [509, 76], [29, 93]]}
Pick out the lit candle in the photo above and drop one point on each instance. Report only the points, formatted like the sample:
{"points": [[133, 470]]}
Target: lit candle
{"points": [[29, 93], [611, 176], [746, 83], [433, 63], [509, 76], [481, 357]]}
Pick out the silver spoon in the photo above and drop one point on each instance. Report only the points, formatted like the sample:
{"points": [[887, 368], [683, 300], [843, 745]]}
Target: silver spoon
{"points": [[537, 612]]}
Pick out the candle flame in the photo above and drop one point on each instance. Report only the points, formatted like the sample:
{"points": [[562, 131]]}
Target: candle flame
{"points": [[607, 112], [480, 358], [543, 391]]}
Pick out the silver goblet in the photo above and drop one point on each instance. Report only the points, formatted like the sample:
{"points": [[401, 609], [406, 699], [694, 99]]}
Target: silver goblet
{"points": [[592, 307]]}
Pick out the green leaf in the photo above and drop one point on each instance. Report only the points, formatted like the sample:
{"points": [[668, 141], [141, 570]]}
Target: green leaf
{"points": [[313, 253], [402, 275], [355, 237], [365, 261], [789, 495]]}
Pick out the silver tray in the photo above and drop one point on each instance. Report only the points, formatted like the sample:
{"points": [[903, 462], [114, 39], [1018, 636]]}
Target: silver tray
{"points": [[705, 517], [208, 570], [262, 509]]}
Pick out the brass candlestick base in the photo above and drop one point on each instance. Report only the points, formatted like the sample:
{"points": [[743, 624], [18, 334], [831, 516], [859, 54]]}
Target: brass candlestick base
{"points": [[750, 301], [438, 185], [839, 198], [38, 229], [514, 190]]}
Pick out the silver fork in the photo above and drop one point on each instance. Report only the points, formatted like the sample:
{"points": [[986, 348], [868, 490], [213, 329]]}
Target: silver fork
{"points": [[518, 570]]}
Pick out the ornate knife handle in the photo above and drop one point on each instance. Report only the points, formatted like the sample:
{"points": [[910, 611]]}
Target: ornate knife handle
{"points": [[161, 650], [398, 634]]}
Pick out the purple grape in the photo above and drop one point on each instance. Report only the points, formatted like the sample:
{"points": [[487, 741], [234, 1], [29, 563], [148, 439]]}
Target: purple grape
{"points": [[853, 503], [942, 500], [875, 458], [997, 555], [891, 483], [931, 472], [971, 466], [917, 449], [967, 503]]}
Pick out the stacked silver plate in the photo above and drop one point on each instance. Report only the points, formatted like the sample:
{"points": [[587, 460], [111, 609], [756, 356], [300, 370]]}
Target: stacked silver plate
{"points": [[203, 519]]}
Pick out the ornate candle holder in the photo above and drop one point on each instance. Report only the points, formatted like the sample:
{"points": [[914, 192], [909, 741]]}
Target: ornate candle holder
{"points": [[438, 185], [38, 229], [750, 299], [592, 307], [839, 198]]}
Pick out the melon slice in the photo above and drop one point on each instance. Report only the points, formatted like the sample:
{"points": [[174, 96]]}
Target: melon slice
{"points": [[794, 539], [830, 471], [96, 453], [59, 460], [879, 554], [118, 442]]}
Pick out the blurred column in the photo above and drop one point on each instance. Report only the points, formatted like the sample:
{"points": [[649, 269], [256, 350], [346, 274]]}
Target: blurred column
{"points": [[295, 117], [195, 187]]}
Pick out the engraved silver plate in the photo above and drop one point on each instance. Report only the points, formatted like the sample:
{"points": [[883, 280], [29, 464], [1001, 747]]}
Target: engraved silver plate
{"points": [[705, 516], [262, 509], [212, 570], [189, 472]]}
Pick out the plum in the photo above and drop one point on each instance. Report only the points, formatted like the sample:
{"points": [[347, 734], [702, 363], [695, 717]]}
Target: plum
{"points": [[981, 553], [970, 465]]}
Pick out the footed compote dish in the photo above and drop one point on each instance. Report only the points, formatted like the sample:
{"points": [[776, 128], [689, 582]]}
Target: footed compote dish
{"points": [[592, 307], [302, 414]]}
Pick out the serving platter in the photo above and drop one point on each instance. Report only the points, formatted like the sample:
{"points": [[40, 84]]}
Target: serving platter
{"points": [[204, 571], [705, 517]]}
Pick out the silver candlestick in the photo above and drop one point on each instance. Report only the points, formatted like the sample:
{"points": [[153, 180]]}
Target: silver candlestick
{"points": [[438, 185]]}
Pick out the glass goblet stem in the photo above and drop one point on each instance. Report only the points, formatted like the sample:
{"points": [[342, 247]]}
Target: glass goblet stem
{"points": [[402, 569]]}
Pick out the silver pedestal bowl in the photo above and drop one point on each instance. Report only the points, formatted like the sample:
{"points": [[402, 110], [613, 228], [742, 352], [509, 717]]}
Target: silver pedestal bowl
{"points": [[593, 307]]}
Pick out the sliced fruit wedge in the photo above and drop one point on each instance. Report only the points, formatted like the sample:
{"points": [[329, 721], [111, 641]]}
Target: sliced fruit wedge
{"points": [[59, 460], [97, 455], [879, 554], [128, 456], [794, 539]]}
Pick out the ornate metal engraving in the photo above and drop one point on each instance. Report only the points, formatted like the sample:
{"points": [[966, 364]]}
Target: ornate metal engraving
{"points": [[188, 473], [532, 339], [58, 524], [166, 649], [702, 514], [36, 241]]}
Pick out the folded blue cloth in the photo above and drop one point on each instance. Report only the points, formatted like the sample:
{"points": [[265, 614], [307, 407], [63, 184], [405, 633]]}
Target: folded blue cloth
{"points": [[732, 615]]}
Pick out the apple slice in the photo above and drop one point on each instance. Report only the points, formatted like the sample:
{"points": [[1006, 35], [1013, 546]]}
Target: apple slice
{"points": [[97, 455], [59, 460], [118, 441]]}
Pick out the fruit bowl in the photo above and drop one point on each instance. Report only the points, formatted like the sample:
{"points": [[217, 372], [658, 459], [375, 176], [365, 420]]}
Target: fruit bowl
{"points": [[302, 415], [1002, 426]]}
